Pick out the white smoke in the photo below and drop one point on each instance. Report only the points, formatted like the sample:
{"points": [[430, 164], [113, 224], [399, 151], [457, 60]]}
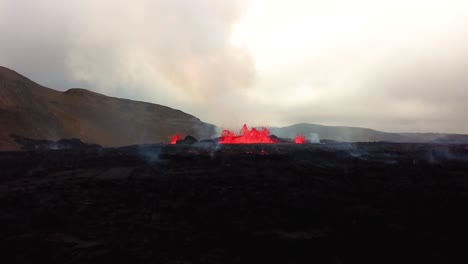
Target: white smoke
{"points": [[313, 138]]}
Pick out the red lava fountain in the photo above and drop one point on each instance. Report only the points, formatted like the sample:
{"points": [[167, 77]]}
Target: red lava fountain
{"points": [[300, 139], [174, 139], [247, 136]]}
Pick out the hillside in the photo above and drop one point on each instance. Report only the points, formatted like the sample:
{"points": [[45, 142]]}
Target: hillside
{"points": [[357, 134], [30, 110]]}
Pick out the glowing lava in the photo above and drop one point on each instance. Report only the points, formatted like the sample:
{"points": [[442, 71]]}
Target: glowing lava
{"points": [[300, 139], [174, 139], [247, 136]]}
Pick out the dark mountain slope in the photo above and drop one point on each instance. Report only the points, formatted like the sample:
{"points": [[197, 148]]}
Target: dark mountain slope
{"points": [[30, 110]]}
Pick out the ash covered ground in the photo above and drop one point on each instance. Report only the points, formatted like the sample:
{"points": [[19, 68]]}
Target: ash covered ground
{"points": [[205, 203]]}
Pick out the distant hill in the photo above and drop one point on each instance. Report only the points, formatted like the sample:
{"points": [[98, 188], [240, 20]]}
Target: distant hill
{"points": [[356, 134], [30, 110]]}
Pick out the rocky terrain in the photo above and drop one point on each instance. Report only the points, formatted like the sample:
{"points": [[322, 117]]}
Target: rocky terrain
{"points": [[208, 203], [75, 195], [30, 110]]}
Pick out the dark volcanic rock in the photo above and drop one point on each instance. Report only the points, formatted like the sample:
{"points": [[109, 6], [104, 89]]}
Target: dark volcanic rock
{"points": [[41, 144], [277, 139], [208, 141], [187, 140], [266, 203]]}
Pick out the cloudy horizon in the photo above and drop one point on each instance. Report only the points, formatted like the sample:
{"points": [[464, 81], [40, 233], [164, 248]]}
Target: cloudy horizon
{"points": [[394, 66]]}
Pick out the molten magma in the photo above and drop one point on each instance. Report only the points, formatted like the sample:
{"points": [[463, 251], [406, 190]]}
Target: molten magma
{"points": [[247, 136], [300, 139], [174, 139]]}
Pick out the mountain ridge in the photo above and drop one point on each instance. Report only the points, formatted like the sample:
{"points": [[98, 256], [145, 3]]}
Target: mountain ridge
{"points": [[358, 134], [31, 110]]}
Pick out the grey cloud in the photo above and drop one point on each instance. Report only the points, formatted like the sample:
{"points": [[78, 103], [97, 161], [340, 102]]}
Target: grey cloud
{"points": [[177, 53], [166, 51], [420, 84]]}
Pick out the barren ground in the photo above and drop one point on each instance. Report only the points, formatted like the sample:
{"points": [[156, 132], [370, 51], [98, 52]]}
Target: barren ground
{"points": [[338, 203]]}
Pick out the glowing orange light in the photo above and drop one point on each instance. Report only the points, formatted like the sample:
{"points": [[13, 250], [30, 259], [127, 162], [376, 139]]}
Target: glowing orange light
{"points": [[174, 139], [300, 139], [247, 136]]}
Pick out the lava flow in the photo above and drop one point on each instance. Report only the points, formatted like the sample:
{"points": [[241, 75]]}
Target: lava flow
{"points": [[247, 136]]}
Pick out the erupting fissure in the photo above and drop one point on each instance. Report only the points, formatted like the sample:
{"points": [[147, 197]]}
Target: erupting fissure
{"points": [[248, 136]]}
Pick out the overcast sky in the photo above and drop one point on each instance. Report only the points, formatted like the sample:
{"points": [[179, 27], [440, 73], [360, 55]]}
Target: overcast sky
{"points": [[390, 65]]}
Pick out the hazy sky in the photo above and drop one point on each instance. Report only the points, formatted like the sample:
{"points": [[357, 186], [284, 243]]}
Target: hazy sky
{"points": [[391, 65]]}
